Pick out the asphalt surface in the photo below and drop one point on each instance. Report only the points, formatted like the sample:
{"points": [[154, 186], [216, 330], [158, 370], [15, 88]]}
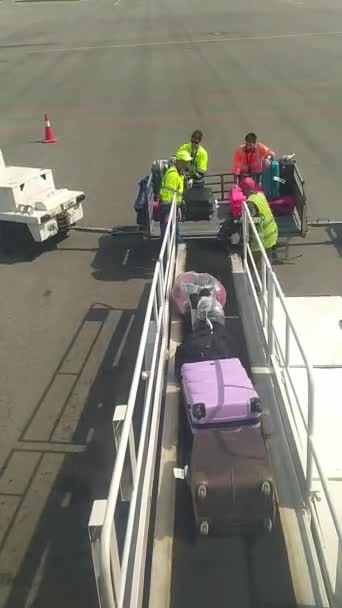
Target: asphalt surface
{"points": [[125, 82]]}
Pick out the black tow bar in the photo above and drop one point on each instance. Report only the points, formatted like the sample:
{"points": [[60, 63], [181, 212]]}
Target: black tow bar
{"points": [[321, 222], [115, 231]]}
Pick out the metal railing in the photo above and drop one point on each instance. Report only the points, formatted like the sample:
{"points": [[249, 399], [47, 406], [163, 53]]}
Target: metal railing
{"points": [[280, 337], [120, 567]]}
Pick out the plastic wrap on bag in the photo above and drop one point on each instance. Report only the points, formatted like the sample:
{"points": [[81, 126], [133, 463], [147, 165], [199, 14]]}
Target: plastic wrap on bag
{"points": [[209, 310], [189, 283]]}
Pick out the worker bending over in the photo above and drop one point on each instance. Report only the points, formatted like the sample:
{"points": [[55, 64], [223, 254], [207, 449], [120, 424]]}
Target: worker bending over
{"points": [[173, 184], [250, 158], [262, 215], [199, 162]]}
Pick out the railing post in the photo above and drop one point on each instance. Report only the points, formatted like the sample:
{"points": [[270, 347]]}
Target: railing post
{"points": [[94, 530], [310, 433], [245, 233], [338, 584], [115, 564], [263, 290], [287, 343], [151, 338], [95, 526], [128, 472], [270, 313]]}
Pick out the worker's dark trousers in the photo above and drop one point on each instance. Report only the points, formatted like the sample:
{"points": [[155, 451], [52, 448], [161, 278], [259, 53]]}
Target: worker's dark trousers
{"points": [[163, 219]]}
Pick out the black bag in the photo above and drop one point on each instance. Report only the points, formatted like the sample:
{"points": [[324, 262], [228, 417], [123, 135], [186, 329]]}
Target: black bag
{"points": [[286, 172], [203, 344], [199, 204], [140, 205], [230, 233]]}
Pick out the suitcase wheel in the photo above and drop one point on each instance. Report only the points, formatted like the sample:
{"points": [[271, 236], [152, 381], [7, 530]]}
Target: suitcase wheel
{"points": [[204, 528], [202, 491], [266, 488], [268, 525], [198, 411], [256, 406]]}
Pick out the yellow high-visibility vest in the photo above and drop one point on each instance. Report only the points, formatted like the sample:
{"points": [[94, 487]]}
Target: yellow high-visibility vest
{"points": [[172, 184], [200, 160], [267, 228]]}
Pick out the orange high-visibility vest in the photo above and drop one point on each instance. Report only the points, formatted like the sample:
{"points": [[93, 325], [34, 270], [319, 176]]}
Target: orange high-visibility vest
{"points": [[249, 162]]}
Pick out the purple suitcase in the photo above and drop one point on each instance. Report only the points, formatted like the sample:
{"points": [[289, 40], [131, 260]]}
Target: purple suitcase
{"points": [[219, 393]]}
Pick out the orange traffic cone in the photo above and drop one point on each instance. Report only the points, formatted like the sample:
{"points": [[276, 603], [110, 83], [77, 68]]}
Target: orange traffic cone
{"points": [[50, 137]]}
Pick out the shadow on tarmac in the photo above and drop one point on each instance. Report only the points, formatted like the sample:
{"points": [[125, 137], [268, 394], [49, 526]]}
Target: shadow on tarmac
{"points": [[56, 562]]}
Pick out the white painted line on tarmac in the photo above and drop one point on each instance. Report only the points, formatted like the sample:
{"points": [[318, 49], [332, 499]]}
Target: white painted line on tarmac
{"points": [[66, 500], [123, 342], [49, 446], [125, 260], [116, 3], [166, 43], [99, 405], [90, 435], [37, 580]]}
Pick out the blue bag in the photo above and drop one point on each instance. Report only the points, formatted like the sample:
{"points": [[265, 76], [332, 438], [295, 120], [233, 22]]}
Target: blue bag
{"points": [[270, 180]]}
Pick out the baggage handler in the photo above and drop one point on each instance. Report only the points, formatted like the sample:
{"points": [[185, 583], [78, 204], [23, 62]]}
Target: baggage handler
{"points": [[264, 220], [173, 184], [250, 158], [199, 155]]}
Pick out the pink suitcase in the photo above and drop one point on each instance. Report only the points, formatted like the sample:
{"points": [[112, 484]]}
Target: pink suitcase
{"points": [[283, 205], [236, 198], [219, 394]]}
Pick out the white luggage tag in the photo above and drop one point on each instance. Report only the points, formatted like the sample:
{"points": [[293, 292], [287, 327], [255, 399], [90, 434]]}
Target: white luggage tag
{"points": [[179, 473], [279, 179]]}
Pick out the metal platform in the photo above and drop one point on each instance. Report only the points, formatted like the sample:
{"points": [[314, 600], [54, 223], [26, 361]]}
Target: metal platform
{"points": [[317, 320], [200, 229]]}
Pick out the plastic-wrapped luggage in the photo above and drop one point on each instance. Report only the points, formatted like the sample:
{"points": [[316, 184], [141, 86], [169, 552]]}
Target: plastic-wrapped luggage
{"points": [[219, 394], [189, 283], [204, 307]]}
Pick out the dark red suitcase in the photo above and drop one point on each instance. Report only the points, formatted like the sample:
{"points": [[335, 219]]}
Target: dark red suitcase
{"points": [[231, 482]]}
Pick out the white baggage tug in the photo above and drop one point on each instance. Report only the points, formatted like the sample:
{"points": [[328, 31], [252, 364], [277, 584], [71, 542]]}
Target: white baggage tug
{"points": [[30, 203]]}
